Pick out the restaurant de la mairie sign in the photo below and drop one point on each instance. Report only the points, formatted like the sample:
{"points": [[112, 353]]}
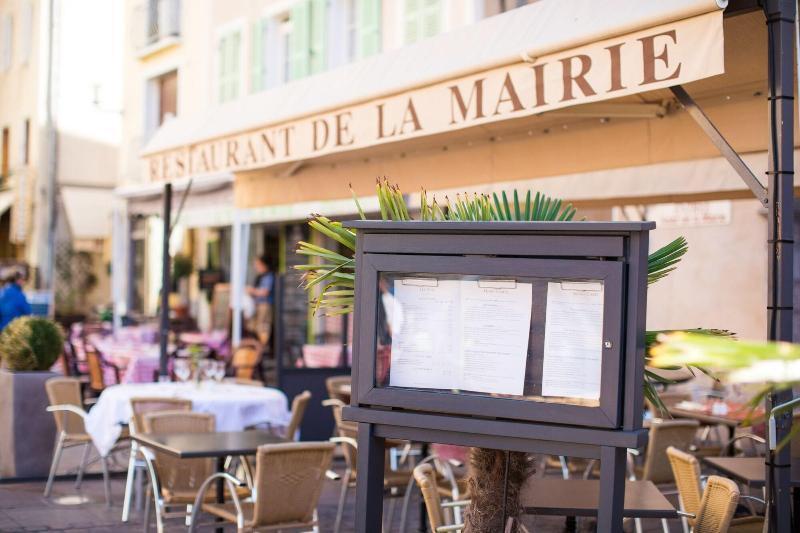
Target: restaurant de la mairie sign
{"points": [[654, 58]]}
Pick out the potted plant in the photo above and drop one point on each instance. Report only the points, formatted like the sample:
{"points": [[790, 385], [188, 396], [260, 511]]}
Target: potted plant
{"points": [[29, 346], [330, 277]]}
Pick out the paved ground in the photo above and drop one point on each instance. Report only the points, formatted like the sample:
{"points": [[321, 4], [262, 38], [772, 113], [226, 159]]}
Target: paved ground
{"points": [[23, 508]]}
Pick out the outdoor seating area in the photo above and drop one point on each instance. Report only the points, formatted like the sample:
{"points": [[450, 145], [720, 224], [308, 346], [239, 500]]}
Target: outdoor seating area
{"points": [[204, 453], [399, 266]]}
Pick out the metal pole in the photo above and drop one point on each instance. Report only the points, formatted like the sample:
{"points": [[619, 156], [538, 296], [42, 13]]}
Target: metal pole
{"points": [[780, 16], [165, 275]]}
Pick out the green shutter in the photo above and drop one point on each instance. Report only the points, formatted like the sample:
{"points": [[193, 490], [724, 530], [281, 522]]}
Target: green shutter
{"points": [[299, 40], [258, 69], [236, 68], [411, 21], [431, 23], [221, 62], [318, 37], [369, 24]]}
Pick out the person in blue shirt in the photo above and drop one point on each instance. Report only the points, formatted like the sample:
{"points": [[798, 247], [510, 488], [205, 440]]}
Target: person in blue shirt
{"points": [[13, 303], [261, 291]]}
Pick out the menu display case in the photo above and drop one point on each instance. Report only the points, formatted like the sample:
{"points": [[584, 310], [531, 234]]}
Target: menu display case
{"points": [[524, 336]]}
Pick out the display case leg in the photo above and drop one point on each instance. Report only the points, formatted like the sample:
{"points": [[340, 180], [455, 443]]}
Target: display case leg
{"points": [[612, 489], [369, 482]]}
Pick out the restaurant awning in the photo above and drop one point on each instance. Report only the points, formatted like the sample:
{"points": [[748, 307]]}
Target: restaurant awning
{"points": [[206, 204], [88, 211], [544, 56]]}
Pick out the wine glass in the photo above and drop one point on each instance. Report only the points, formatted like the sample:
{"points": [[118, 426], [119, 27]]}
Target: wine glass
{"points": [[218, 371], [182, 370]]}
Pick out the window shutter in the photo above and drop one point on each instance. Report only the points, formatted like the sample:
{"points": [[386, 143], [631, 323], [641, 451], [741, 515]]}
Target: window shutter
{"points": [[431, 18], [318, 37], [411, 21], [258, 68], [369, 23], [235, 71], [299, 40], [222, 49]]}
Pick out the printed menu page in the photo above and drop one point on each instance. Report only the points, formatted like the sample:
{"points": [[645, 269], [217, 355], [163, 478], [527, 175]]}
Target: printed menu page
{"points": [[573, 340], [460, 334]]}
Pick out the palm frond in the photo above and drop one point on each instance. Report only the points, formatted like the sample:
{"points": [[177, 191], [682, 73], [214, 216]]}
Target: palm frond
{"points": [[661, 262]]}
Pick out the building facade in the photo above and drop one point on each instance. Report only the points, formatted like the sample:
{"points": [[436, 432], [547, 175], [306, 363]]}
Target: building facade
{"points": [[60, 115], [270, 126]]}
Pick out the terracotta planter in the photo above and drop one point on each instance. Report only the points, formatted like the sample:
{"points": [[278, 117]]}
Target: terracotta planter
{"points": [[27, 430]]}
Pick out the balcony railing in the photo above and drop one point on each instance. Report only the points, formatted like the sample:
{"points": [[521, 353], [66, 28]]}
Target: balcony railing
{"points": [[158, 20]]}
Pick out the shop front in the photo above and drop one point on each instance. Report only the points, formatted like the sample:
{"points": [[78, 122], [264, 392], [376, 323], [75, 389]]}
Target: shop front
{"points": [[584, 111]]}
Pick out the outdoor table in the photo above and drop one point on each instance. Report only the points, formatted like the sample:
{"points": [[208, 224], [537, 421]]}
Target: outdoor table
{"points": [[737, 414], [234, 406], [218, 445], [581, 497], [751, 471]]}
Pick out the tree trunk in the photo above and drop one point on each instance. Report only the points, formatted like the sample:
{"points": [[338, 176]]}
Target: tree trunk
{"points": [[487, 475]]}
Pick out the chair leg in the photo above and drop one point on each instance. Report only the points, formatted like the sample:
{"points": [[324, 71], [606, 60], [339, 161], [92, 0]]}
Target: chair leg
{"points": [[390, 514], [106, 480], [147, 503], [638, 524], [129, 480], [342, 500], [564, 467], [59, 447], [406, 501], [82, 465], [664, 525]]}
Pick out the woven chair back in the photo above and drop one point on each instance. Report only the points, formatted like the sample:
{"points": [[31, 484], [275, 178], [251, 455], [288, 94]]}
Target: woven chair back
{"points": [[289, 480], [717, 507], [142, 406], [245, 360], [180, 477], [94, 364], [66, 391], [663, 434], [334, 385], [425, 476], [686, 469], [299, 405]]}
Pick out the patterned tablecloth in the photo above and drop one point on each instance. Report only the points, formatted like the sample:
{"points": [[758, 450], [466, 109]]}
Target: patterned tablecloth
{"points": [[234, 406]]}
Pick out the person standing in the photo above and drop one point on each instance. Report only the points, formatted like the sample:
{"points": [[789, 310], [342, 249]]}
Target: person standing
{"points": [[13, 303], [261, 291]]}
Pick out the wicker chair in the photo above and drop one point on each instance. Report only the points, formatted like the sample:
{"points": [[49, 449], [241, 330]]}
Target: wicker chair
{"points": [[64, 395], [686, 469], [140, 407], [174, 482], [288, 483], [335, 384], [299, 406], [717, 506], [246, 360], [425, 476], [96, 365]]}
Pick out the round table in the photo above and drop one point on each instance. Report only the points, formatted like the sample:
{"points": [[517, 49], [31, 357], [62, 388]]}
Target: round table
{"points": [[234, 406]]}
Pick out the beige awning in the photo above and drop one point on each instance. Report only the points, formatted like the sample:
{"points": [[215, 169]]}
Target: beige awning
{"points": [[547, 55], [6, 201], [88, 211]]}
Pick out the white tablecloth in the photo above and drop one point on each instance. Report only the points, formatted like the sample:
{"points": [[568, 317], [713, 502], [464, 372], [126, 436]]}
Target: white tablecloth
{"points": [[234, 406]]}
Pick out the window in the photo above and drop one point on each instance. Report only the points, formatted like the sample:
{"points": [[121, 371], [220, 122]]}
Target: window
{"points": [[5, 164], [24, 148], [494, 7], [422, 19], [307, 54], [6, 42], [27, 33], [369, 27], [162, 100], [229, 48]]}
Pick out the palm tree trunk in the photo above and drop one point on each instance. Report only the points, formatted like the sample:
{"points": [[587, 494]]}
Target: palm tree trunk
{"points": [[487, 484]]}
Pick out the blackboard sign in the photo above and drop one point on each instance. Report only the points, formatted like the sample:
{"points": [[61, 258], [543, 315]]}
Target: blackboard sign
{"points": [[209, 277]]}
